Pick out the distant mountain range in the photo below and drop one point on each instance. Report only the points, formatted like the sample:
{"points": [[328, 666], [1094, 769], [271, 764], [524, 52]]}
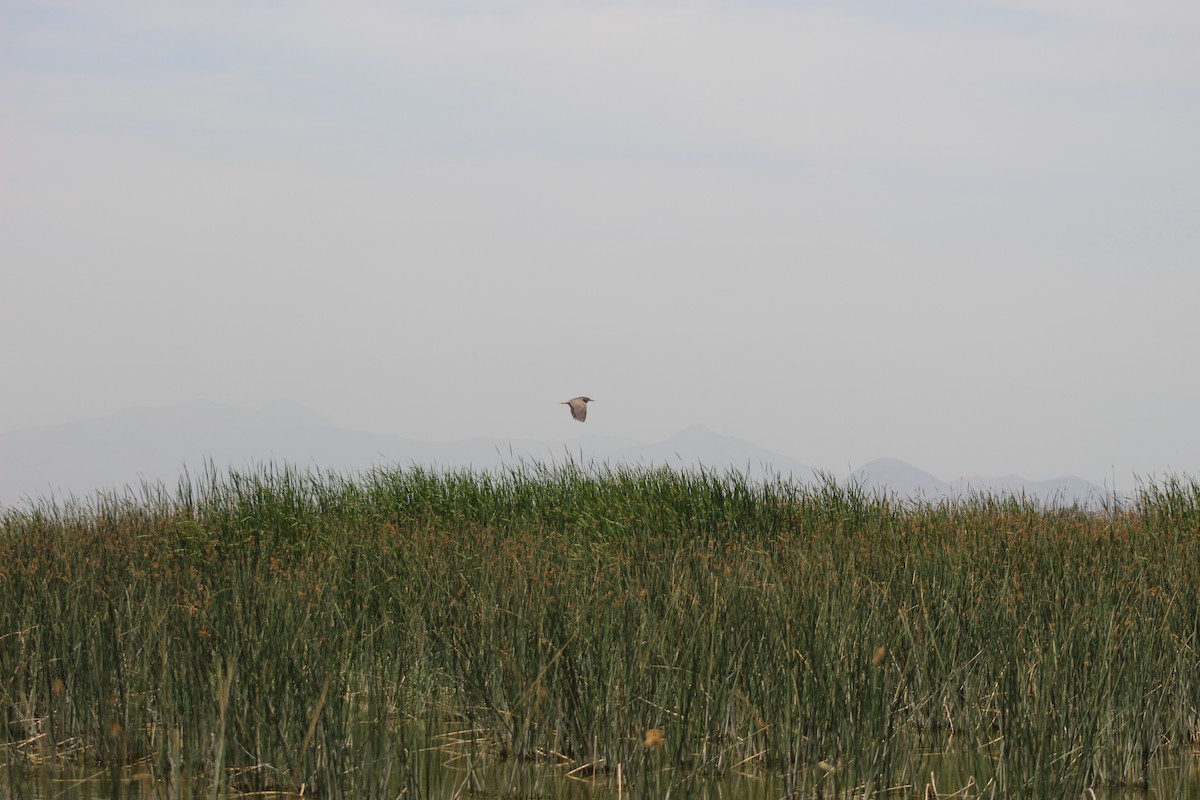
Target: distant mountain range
{"points": [[155, 444], [905, 480]]}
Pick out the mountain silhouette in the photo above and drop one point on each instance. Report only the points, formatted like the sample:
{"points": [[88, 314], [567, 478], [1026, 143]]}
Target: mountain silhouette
{"points": [[125, 449]]}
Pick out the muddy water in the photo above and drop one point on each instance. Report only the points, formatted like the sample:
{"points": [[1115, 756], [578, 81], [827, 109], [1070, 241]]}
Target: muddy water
{"points": [[441, 774]]}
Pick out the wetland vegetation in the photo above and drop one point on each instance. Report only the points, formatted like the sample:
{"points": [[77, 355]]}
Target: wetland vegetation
{"points": [[601, 633]]}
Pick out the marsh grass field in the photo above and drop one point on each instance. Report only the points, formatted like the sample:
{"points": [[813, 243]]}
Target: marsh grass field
{"points": [[596, 633]]}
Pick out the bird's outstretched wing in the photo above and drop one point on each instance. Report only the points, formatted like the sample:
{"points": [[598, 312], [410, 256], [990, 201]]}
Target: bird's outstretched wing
{"points": [[578, 409]]}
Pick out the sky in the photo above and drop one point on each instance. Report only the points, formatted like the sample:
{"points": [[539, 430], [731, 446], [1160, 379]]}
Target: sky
{"points": [[964, 234]]}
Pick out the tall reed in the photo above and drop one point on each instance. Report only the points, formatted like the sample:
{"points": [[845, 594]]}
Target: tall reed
{"points": [[541, 628]]}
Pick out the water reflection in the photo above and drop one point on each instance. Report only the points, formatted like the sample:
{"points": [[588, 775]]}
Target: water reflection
{"points": [[446, 773]]}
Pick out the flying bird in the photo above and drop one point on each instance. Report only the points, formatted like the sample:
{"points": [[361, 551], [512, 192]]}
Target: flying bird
{"points": [[578, 406]]}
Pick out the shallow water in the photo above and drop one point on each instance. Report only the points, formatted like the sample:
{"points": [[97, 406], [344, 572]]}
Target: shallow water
{"points": [[443, 774]]}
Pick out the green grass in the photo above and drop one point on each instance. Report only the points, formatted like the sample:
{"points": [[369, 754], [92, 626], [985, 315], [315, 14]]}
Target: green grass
{"points": [[518, 634]]}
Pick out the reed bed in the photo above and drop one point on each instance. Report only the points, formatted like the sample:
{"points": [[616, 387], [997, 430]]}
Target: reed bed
{"points": [[606, 632]]}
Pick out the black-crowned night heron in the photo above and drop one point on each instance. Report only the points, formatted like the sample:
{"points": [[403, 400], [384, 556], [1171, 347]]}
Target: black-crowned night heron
{"points": [[578, 406]]}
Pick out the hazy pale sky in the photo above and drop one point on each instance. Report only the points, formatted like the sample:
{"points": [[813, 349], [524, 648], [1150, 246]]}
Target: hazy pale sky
{"points": [[964, 234]]}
